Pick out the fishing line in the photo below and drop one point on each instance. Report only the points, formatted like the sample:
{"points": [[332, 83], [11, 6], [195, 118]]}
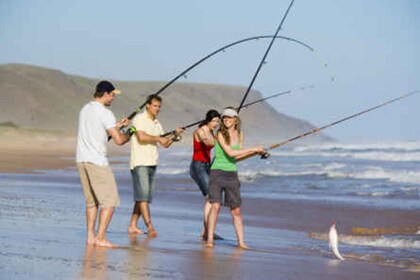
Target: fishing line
{"points": [[264, 57], [247, 105], [274, 146], [325, 65], [222, 49]]}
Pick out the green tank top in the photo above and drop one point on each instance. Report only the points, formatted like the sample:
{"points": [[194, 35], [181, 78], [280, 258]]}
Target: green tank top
{"points": [[222, 161]]}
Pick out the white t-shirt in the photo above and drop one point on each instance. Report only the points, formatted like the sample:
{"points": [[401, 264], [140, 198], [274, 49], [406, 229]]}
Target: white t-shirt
{"points": [[142, 153], [94, 120]]}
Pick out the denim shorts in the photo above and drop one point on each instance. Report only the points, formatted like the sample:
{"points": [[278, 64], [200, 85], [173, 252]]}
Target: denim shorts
{"points": [[143, 182], [199, 172]]}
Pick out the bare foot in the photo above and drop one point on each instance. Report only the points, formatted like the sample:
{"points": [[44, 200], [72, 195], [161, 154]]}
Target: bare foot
{"points": [[209, 245], [91, 241], [242, 246], [105, 243], [204, 237], [134, 230], [152, 232]]}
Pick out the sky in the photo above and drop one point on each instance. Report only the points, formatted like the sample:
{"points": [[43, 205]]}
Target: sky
{"points": [[365, 52]]}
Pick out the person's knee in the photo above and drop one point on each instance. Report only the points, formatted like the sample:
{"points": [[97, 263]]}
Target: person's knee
{"points": [[236, 212], [215, 207]]}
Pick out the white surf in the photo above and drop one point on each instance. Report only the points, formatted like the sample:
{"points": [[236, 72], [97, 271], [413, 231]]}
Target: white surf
{"points": [[333, 241]]}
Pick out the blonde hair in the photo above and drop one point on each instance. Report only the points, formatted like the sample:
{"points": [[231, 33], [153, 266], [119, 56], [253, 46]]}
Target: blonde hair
{"points": [[224, 131]]}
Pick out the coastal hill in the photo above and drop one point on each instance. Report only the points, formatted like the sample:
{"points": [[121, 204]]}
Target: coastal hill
{"points": [[43, 99]]}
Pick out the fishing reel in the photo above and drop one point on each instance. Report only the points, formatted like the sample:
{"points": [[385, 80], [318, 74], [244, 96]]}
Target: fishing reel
{"points": [[130, 130], [176, 138], [265, 155]]}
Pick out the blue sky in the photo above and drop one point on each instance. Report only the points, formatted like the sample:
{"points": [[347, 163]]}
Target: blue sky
{"points": [[371, 48]]}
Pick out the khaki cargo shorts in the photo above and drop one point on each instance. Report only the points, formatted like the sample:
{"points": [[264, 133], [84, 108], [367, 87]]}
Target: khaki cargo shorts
{"points": [[99, 186]]}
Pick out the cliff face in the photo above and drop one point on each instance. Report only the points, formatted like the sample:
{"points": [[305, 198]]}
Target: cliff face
{"points": [[47, 99]]}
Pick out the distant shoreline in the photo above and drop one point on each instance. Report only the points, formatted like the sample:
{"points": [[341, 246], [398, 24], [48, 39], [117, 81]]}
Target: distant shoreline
{"points": [[26, 150]]}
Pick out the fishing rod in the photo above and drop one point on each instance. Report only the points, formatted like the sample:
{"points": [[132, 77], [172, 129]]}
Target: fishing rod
{"points": [[244, 106], [274, 146], [222, 49], [264, 57]]}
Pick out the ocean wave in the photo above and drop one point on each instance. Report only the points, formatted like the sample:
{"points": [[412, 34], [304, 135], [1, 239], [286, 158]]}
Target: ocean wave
{"points": [[400, 151], [251, 175], [401, 176], [337, 170], [367, 155], [381, 241], [375, 194], [172, 170], [408, 146], [387, 156], [388, 242]]}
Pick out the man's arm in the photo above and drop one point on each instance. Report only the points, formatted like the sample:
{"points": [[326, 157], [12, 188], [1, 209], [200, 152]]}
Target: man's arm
{"points": [[118, 137], [143, 137], [170, 139]]}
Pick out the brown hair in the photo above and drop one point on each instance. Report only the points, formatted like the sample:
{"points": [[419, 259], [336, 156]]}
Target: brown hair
{"points": [[152, 97]]}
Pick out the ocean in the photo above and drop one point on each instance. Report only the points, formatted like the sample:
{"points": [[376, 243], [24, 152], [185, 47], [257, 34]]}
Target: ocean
{"points": [[291, 199]]}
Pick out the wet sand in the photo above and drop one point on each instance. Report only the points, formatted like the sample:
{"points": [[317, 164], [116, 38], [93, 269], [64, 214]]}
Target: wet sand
{"points": [[42, 233], [23, 151]]}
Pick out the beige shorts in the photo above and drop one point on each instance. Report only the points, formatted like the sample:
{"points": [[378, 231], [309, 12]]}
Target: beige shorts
{"points": [[99, 186]]}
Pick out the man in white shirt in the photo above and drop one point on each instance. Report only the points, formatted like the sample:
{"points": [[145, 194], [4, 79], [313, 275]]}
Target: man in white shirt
{"points": [[144, 160], [96, 123]]}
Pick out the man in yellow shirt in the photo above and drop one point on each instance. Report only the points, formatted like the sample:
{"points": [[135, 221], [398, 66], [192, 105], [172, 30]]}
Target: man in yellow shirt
{"points": [[144, 161]]}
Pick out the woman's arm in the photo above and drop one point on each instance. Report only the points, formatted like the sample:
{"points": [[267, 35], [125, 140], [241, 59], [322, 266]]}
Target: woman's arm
{"points": [[237, 154], [252, 151], [204, 135]]}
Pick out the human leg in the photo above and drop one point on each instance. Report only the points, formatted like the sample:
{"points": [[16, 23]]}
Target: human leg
{"points": [[133, 228], [238, 225], [215, 199], [207, 208], [214, 214], [91, 203], [204, 234], [105, 217], [199, 172], [135, 216], [234, 201], [91, 213], [146, 175], [145, 210], [105, 192]]}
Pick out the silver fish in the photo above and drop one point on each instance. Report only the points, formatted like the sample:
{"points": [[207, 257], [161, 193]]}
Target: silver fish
{"points": [[333, 241]]}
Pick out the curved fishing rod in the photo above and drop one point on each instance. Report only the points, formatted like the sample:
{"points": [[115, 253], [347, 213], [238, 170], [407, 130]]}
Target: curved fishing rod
{"points": [[222, 49], [274, 146], [264, 57], [245, 106], [182, 74]]}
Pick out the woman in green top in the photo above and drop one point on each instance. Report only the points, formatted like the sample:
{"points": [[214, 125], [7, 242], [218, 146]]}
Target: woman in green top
{"points": [[224, 174]]}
